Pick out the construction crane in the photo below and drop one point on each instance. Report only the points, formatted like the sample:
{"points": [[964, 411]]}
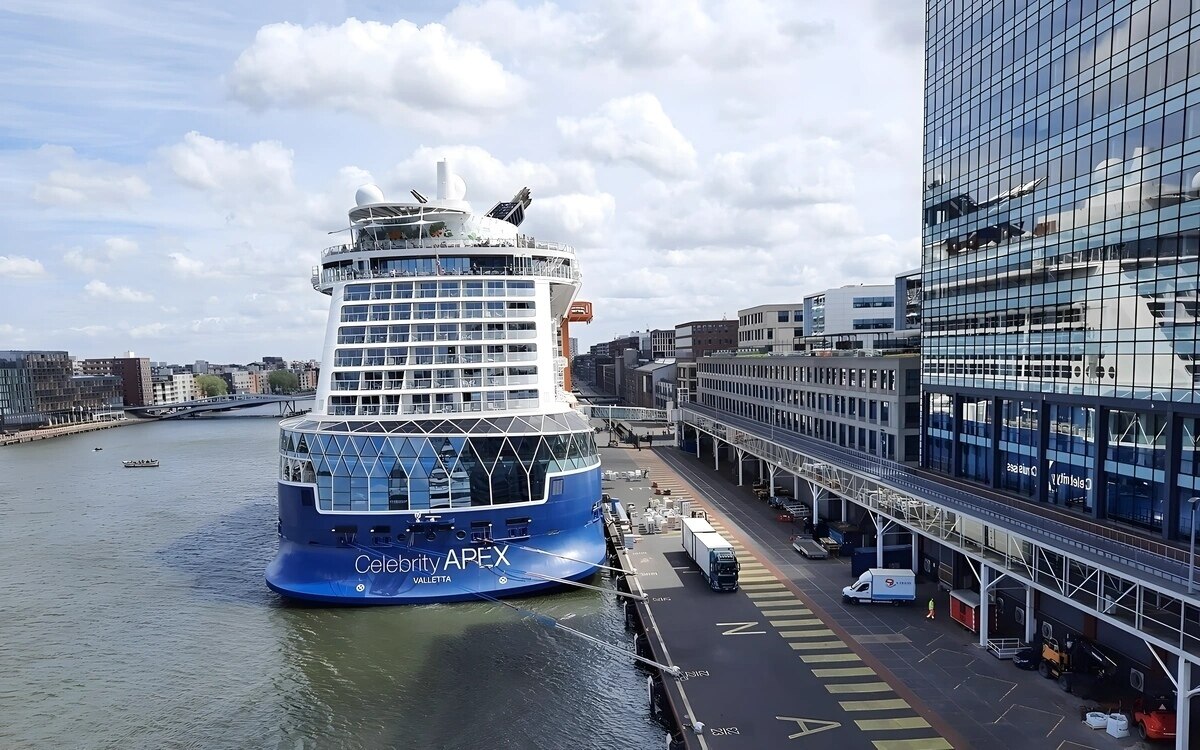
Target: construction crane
{"points": [[580, 312]]}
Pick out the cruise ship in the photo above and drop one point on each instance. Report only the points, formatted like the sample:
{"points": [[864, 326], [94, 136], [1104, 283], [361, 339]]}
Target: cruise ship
{"points": [[443, 459]]}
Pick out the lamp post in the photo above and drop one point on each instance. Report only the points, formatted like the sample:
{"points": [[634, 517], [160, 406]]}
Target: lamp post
{"points": [[1192, 547]]}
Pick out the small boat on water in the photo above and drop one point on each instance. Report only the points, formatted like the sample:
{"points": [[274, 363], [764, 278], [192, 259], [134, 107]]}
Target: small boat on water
{"points": [[97, 449], [141, 463]]}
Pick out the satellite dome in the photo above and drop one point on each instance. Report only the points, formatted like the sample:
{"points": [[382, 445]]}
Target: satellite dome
{"points": [[368, 194]]}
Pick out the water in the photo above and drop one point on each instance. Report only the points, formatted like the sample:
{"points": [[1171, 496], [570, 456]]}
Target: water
{"points": [[133, 614]]}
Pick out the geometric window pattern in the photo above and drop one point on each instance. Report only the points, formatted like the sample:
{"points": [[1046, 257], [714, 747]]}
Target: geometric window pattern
{"points": [[373, 473]]}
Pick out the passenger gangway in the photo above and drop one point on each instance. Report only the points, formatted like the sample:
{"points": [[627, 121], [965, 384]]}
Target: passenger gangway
{"points": [[624, 413]]}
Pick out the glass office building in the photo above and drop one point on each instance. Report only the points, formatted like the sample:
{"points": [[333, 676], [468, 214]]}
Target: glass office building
{"points": [[1059, 263]]}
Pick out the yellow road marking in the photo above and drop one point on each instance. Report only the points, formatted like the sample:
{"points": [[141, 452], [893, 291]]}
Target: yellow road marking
{"points": [[881, 704], [883, 725], [859, 687], [794, 623], [817, 645], [792, 602], [827, 658], [931, 743], [844, 672], [780, 594], [812, 633]]}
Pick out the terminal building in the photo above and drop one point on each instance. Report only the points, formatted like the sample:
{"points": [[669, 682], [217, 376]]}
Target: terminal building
{"points": [[1057, 303]]}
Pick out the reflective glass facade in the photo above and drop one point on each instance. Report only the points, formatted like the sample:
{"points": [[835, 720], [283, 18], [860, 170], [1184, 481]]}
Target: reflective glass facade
{"points": [[1059, 264], [361, 473]]}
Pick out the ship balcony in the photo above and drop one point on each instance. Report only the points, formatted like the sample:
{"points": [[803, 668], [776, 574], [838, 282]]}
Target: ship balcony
{"points": [[323, 279], [393, 410], [375, 246]]}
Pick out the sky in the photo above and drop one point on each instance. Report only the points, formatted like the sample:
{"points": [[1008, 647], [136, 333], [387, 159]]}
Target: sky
{"points": [[170, 171]]}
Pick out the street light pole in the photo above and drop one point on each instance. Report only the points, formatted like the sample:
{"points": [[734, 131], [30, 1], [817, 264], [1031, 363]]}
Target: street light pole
{"points": [[1192, 547]]}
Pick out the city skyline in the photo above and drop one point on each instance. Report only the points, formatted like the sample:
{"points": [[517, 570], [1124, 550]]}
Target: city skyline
{"points": [[168, 191]]}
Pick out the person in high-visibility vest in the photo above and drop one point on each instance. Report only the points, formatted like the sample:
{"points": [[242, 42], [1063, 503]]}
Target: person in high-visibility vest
{"points": [[930, 615]]}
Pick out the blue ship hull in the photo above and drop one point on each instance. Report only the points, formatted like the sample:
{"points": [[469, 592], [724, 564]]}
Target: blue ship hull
{"points": [[442, 556]]}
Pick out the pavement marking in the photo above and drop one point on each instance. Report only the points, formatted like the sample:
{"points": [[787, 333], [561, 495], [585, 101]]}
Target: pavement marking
{"points": [[811, 633], [777, 603], [883, 725], [827, 658], [844, 672], [758, 579], [882, 638], [931, 743], [859, 687], [794, 623], [882, 704], [797, 612], [817, 646], [779, 594], [762, 586]]}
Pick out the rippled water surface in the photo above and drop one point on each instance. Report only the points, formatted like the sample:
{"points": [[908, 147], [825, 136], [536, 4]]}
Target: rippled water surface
{"points": [[133, 614]]}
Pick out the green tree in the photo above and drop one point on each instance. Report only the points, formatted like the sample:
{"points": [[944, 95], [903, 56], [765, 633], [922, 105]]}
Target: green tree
{"points": [[211, 385], [283, 381]]}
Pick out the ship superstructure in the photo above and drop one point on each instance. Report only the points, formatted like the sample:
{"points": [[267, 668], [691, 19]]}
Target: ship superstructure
{"points": [[442, 459]]}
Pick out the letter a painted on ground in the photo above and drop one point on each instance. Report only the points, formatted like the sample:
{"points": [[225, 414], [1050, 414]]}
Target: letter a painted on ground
{"points": [[809, 726]]}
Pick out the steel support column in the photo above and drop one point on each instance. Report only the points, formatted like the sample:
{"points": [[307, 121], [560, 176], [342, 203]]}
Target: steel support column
{"points": [[716, 454], [1030, 620], [698, 442], [771, 482], [985, 578], [1183, 707], [741, 458]]}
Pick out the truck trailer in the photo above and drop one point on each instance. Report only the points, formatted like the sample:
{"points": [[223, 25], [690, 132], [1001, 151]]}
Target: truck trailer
{"points": [[718, 563], [886, 585]]}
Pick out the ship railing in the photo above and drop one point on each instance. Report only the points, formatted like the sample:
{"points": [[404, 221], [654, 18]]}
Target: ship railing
{"points": [[436, 408], [322, 277], [366, 246]]}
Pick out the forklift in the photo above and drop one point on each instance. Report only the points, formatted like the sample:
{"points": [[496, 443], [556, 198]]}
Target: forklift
{"points": [[1078, 665]]}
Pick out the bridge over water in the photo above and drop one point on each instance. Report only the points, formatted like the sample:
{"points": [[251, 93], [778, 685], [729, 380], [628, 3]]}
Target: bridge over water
{"points": [[179, 410]]}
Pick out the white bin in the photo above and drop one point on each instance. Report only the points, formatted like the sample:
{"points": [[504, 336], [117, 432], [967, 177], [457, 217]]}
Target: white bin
{"points": [[1118, 725], [1096, 720]]}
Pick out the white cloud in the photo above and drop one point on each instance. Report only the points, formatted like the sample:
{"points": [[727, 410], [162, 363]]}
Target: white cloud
{"points": [[421, 74], [208, 164], [113, 248], [788, 172], [99, 290], [188, 267], [78, 181], [639, 34], [90, 330], [150, 331], [17, 267], [633, 129], [578, 218]]}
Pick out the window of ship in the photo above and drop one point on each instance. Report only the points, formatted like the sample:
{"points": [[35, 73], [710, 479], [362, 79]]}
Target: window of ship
{"points": [[376, 473], [357, 292]]}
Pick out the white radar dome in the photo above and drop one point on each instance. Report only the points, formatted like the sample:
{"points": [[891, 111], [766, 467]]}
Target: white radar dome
{"points": [[368, 194]]}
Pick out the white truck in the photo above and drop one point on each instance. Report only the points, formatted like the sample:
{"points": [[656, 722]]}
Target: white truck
{"points": [[882, 585], [718, 562]]}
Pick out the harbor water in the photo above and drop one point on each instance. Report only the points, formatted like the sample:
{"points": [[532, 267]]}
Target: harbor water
{"points": [[134, 615]]}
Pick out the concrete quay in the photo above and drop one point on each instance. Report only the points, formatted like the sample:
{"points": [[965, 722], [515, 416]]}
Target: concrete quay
{"points": [[760, 668], [28, 436], [934, 670]]}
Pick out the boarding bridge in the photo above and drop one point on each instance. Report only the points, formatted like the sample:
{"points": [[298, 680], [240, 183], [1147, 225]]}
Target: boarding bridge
{"points": [[625, 413], [1138, 587]]}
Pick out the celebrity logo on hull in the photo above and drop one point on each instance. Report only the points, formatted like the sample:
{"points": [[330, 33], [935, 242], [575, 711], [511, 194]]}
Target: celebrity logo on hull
{"points": [[490, 557]]}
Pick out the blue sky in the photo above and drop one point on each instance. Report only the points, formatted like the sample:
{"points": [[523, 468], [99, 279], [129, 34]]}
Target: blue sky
{"points": [[169, 171]]}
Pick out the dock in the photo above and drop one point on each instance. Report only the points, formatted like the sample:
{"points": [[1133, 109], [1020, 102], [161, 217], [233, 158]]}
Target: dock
{"points": [[757, 668]]}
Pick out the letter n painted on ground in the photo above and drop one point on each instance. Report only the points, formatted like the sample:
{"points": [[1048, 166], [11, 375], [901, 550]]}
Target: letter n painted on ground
{"points": [[809, 726], [739, 628]]}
